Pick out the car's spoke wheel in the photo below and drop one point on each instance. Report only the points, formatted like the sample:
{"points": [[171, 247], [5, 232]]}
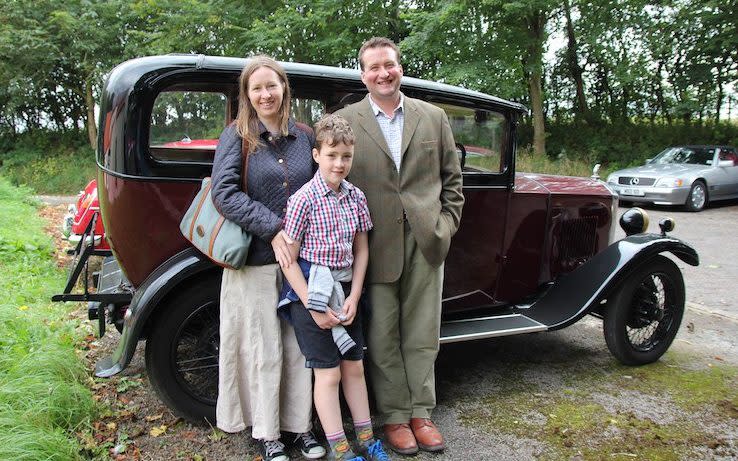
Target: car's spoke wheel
{"points": [[182, 351], [644, 314], [697, 198]]}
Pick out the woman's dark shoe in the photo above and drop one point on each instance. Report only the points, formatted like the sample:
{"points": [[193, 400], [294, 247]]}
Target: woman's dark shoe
{"points": [[309, 447], [273, 450]]}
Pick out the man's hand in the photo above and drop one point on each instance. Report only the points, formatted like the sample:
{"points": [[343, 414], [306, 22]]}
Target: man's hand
{"points": [[281, 245], [325, 320]]}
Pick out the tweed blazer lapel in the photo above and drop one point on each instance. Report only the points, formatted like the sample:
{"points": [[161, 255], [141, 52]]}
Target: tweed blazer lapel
{"points": [[412, 118], [368, 122]]}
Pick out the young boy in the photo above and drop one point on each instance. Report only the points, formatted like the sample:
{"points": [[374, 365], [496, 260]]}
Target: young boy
{"points": [[330, 217]]}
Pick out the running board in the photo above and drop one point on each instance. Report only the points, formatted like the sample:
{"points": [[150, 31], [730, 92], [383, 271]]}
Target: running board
{"points": [[488, 327]]}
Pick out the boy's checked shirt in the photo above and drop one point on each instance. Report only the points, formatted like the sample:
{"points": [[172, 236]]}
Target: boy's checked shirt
{"points": [[326, 222]]}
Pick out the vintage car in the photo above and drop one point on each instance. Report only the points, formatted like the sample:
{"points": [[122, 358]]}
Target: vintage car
{"points": [[691, 176], [534, 252], [80, 214]]}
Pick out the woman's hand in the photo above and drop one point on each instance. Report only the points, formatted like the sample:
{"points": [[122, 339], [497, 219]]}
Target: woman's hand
{"points": [[325, 320], [350, 307], [281, 244]]}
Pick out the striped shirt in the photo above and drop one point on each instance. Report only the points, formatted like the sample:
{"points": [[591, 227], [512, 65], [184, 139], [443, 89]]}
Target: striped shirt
{"points": [[326, 222], [391, 128]]}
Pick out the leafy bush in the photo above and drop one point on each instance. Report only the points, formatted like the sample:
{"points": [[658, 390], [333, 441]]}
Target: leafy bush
{"points": [[622, 144], [49, 162]]}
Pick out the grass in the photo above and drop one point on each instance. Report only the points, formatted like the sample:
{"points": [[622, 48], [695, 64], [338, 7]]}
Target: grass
{"points": [[565, 166], [43, 399]]}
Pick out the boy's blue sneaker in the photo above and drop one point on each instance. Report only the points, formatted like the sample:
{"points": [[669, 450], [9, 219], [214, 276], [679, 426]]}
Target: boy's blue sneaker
{"points": [[375, 452]]}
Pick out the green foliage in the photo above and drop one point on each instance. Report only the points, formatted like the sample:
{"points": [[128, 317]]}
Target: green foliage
{"points": [[43, 399], [624, 144], [49, 162]]}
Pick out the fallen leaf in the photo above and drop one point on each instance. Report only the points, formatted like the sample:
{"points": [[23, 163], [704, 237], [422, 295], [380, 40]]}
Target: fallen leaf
{"points": [[111, 426], [156, 431], [154, 417]]}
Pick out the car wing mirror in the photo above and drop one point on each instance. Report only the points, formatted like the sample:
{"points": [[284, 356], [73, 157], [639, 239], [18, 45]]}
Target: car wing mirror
{"points": [[724, 163], [649, 160]]}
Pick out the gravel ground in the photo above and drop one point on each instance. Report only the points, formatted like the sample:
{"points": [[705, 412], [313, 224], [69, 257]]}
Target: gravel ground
{"points": [[480, 383]]}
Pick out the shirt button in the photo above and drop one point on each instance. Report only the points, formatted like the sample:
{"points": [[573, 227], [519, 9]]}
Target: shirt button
{"points": [[399, 221], [284, 210], [284, 184], [271, 138], [281, 160]]}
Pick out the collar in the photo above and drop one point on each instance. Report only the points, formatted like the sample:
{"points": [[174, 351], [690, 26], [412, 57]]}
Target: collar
{"points": [[376, 110], [264, 133], [322, 189]]}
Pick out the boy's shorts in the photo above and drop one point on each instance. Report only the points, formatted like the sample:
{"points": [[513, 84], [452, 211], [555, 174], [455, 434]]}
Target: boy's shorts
{"points": [[317, 344]]}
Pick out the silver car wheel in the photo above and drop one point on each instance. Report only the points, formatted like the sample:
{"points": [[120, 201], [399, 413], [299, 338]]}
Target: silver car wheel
{"points": [[697, 197]]}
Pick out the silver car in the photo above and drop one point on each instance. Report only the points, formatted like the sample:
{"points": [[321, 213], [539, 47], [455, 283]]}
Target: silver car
{"points": [[684, 175]]}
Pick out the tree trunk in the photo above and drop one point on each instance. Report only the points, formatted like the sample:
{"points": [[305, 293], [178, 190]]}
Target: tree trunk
{"points": [[90, 103], [572, 58], [536, 102], [535, 24], [719, 102]]}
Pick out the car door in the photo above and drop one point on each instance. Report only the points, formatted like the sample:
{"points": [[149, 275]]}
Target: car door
{"points": [[722, 180], [731, 172], [473, 265]]}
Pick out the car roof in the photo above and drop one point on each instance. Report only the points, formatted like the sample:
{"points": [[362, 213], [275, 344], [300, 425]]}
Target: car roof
{"points": [[141, 66]]}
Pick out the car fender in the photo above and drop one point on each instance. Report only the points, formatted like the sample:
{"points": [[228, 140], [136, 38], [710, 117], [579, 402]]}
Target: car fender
{"points": [[578, 293], [147, 298]]}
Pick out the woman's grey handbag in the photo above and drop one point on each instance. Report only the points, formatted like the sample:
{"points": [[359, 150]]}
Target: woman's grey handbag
{"points": [[223, 241]]}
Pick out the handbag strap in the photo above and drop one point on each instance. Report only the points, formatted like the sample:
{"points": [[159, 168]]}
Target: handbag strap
{"points": [[245, 166]]}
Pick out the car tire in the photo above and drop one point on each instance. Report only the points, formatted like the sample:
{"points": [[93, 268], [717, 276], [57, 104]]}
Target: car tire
{"points": [[643, 316], [182, 351], [697, 198]]}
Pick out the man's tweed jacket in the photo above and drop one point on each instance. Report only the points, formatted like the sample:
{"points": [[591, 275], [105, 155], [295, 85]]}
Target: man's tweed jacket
{"points": [[428, 186]]}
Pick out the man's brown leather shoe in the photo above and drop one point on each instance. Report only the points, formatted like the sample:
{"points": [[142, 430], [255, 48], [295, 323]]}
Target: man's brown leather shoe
{"points": [[427, 435], [400, 438]]}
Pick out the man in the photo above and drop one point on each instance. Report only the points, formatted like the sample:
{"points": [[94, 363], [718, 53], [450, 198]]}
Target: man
{"points": [[406, 163]]}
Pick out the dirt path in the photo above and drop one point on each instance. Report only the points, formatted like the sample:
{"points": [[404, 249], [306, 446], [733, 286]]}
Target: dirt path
{"points": [[551, 396]]}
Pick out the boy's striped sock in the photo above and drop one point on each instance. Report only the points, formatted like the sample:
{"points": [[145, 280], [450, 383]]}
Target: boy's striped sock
{"points": [[364, 432], [339, 445]]}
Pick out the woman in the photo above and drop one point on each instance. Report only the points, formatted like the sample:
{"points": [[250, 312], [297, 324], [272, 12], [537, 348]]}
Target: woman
{"points": [[262, 379]]}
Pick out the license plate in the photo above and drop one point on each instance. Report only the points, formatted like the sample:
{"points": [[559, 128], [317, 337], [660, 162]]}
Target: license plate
{"points": [[632, 192]]}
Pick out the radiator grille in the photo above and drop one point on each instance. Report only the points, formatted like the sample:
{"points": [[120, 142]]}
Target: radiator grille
{"points": [[636, 181], [577, 242]]}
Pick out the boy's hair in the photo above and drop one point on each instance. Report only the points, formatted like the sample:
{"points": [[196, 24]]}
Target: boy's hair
{"points": [[333, 129], [377, 42]]}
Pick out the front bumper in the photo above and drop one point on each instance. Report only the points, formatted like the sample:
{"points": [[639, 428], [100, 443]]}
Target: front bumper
{"points": [[650, 194]]}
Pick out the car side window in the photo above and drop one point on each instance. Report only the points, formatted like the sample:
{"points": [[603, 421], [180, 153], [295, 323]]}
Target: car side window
{"points": [[727, 154], [185, 125], [479, 136], [306, 110]]}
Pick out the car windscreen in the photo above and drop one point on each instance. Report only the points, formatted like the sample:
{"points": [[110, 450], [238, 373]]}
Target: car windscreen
{"points": [[690, 155]]}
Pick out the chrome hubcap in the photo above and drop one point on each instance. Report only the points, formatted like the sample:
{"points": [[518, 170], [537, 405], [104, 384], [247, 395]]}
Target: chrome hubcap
{"points": [[698, 197]]}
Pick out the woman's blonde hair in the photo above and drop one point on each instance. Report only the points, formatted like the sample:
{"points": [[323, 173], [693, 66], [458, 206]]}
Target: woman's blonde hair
{"points": [[247, 119]]}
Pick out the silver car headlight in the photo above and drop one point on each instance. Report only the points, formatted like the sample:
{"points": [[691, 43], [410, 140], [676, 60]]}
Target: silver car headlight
{"points": [[669, 182], [612, 179]]}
